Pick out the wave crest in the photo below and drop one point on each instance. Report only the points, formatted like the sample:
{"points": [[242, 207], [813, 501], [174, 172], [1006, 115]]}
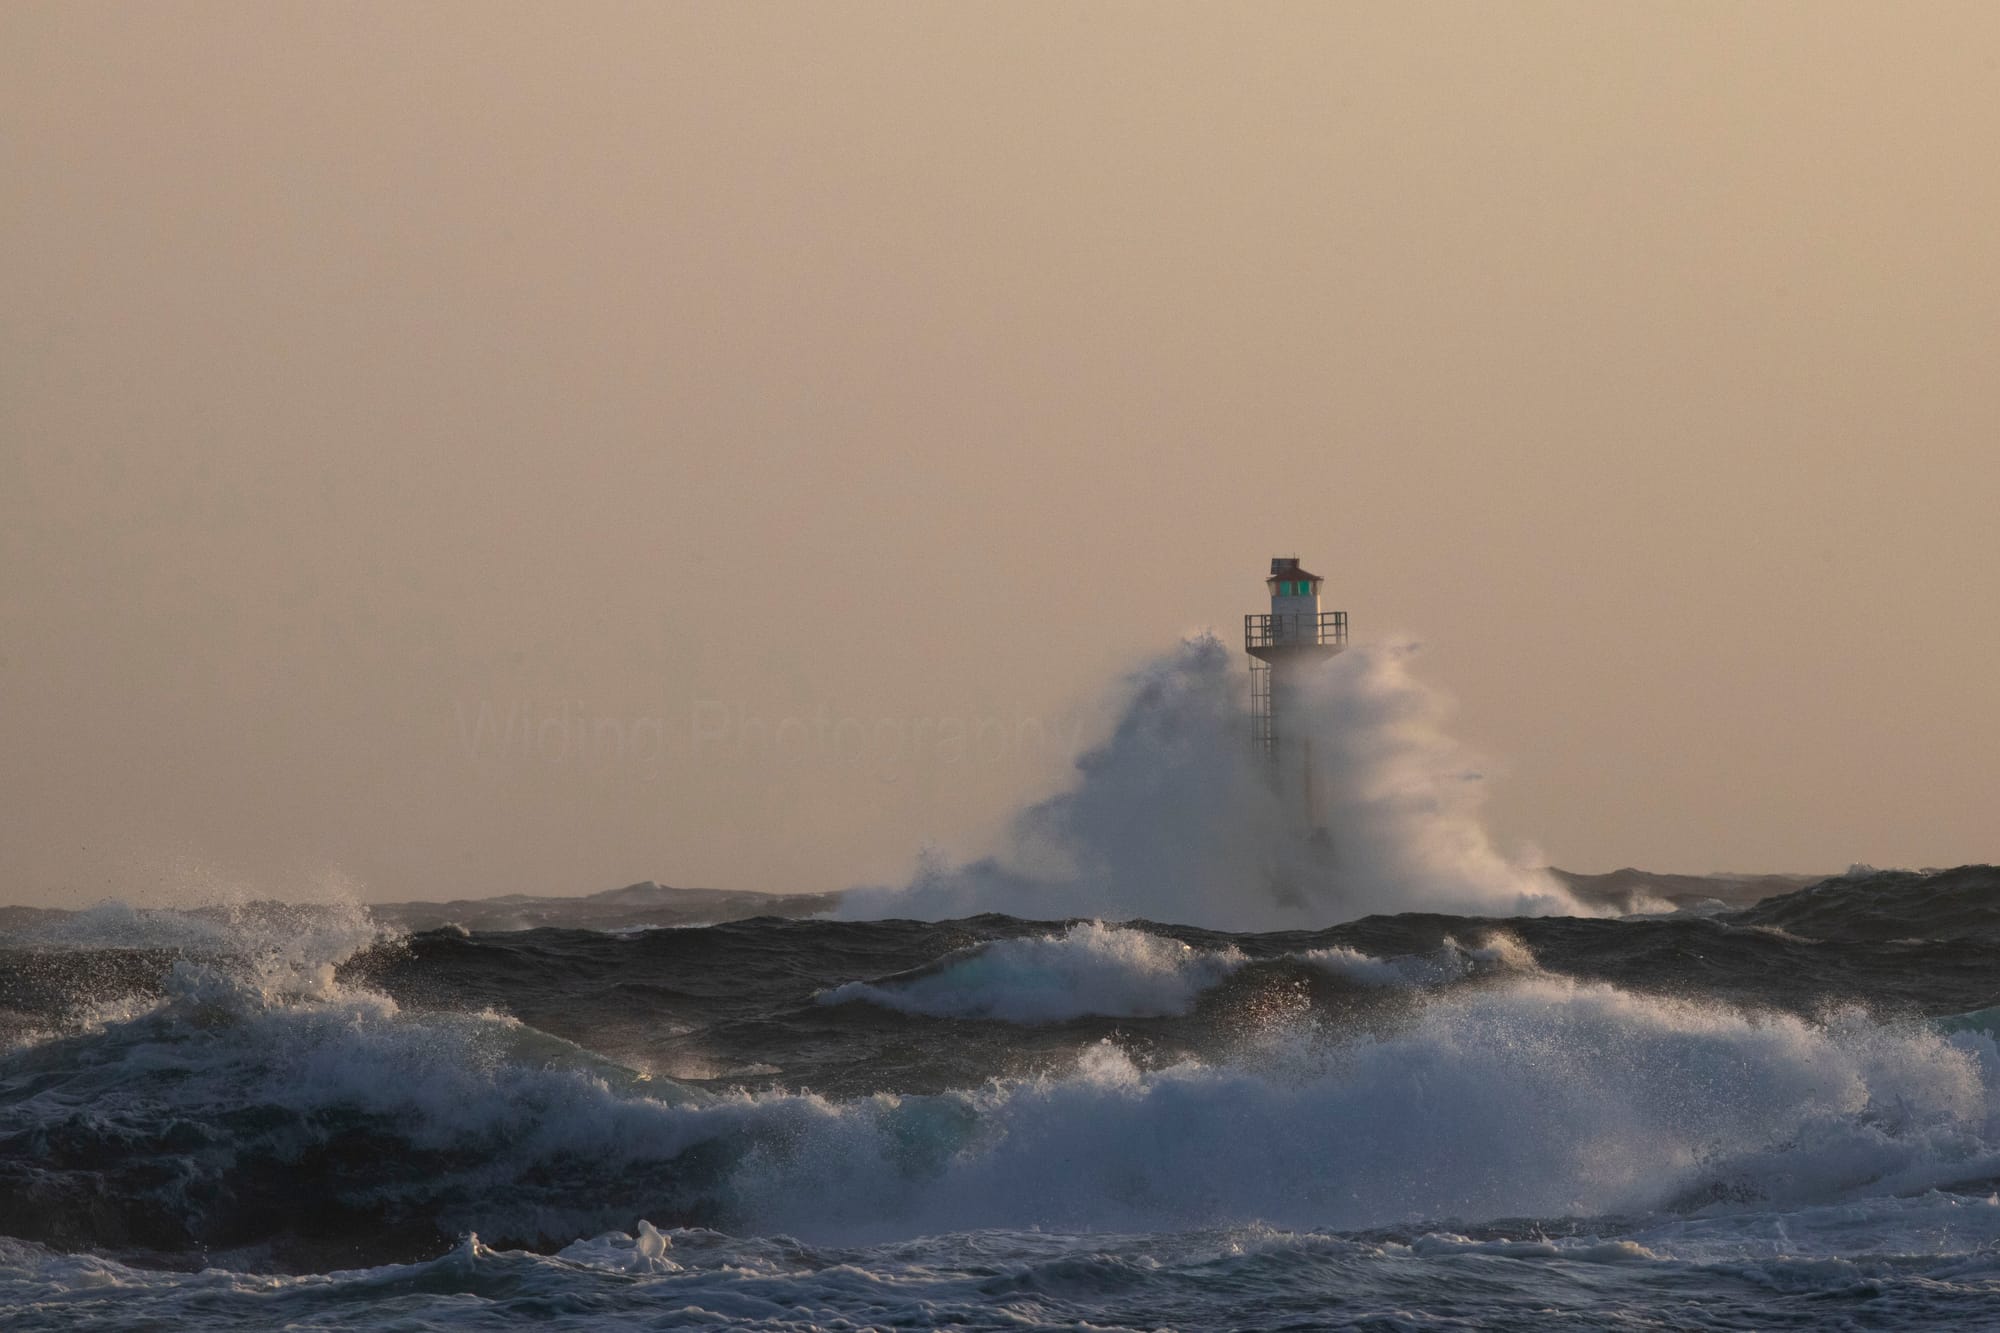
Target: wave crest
{"points": [[1091, 969]]}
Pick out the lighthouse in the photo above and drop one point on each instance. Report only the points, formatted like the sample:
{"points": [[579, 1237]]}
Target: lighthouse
{"points": [[1284, 644]]}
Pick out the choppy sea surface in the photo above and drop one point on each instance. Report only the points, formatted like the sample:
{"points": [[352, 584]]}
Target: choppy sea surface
{"points": [[1781, 1115]]}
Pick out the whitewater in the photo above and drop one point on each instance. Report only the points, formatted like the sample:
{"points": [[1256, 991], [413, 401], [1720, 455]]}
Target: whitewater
{"points": [[1137, 1070]]}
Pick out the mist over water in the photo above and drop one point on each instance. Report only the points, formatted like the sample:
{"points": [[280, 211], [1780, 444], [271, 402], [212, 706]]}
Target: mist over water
{"points": [[1174, 818]]}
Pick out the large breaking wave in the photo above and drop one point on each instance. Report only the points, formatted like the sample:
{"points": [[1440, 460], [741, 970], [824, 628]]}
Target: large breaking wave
{"points": [[302, 1121]]}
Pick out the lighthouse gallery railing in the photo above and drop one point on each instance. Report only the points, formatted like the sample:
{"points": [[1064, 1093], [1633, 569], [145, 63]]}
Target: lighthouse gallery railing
{"points": [[1328, 629]]}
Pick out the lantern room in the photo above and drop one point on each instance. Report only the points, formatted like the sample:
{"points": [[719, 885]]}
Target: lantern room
{"points": [[1294, 601], [1294, 591]]}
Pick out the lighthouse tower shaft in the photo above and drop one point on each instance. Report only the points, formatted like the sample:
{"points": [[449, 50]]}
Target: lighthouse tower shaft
{"points": [[1284, 645]]}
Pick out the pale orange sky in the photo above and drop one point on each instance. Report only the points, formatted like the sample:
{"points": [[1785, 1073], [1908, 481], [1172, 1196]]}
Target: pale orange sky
{"points": [[666, 367]]}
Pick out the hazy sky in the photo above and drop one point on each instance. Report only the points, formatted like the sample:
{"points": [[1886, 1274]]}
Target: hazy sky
{"points": [[650, 375]]}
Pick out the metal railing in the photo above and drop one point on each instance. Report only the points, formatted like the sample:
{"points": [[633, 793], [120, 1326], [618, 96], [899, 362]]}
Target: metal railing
{"points": [[1328, 629]]}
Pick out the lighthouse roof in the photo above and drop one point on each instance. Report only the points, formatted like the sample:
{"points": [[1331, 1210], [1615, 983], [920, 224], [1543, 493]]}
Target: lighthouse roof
{"points": [[1287, 567]]}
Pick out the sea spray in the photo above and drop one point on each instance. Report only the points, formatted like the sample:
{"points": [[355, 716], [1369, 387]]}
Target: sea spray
{"points": [[1174, 819]]}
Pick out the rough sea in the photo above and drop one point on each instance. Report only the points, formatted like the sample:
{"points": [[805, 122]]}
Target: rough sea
{"points": [[1777, 1115]]}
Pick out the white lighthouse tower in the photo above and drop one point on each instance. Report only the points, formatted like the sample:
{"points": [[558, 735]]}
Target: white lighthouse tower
{"points": [[1283, 645]]}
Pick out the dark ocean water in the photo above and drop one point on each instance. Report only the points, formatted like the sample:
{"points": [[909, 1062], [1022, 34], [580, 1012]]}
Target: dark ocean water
{"points": [[1780, 1115]]}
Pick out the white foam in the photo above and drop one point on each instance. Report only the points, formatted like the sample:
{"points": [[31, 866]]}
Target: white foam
{"points": [[1089, 969], [1452, 962], [643, 1251], [281, 947], [1539, 1097]]}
